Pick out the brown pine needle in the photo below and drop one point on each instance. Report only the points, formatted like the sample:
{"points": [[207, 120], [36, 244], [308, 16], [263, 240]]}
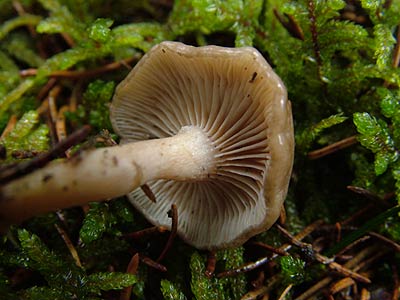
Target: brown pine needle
{"points": [[151, 263], [254, 265], [132, 269], [69, 245], [323, 259], [145, 232], [332, 148], [211, 262], [149, 193], [174, 230], [10, 126], [342, 284], [285, 292], [74, 74]]}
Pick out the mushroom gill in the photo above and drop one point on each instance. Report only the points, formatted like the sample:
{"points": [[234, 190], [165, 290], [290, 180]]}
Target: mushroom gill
{"points": [[234, 97]]}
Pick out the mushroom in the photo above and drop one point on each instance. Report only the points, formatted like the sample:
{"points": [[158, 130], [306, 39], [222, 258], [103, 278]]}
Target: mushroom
{"points": [[206, 128]]}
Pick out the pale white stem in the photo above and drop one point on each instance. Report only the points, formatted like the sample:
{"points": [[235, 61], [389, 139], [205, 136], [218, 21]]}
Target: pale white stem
{"points": [[105, 173]]}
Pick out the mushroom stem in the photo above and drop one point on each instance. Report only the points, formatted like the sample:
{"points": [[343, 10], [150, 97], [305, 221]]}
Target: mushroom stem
{"points": [[105, 173]]}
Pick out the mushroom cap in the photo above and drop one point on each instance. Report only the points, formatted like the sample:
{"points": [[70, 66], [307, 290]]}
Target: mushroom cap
{"points": [[235, 97]]}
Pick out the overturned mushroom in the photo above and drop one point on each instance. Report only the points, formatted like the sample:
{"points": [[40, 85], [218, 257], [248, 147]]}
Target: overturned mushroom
{"points": [[207, 128]]}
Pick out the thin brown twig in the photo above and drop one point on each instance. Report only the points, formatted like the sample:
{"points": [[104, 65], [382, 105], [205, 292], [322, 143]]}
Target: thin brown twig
{"points": [[211, 263], [341, 285], [49, 111], [9, 127], [396, 283], [46, 88], [68, 39], [321, 258], [148, 192], [277, 251], [52, 99], [363, 265], [396, 51], [365, 193], [8, 174], [151, 263], [69, 245], [61, 129], [256, 294], [132, 269], [332, 148], [386, 240], [174, 230], [21, 11], [365, 295], [282, 216], [285, 292], [351, 245], [290, 24], [73, 100], [320, 285], [254, 265], [145, 232], [74, 74]]}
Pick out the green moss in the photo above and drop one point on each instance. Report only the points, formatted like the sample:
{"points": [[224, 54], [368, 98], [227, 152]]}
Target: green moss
{"points": [[293, 270], [170, 292], [28, 135], [205, 288]]}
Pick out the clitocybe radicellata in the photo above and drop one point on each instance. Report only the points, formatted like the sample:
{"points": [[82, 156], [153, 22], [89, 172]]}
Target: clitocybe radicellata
{"points": [[207, 128]]}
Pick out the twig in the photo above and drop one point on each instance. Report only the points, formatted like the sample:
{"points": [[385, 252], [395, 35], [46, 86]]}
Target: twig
{"points": [[148, 192], [311, 253], [342, 144], [285, 292], [61, 130], [73, 74], [69, 245], [21, 11], [253, 295], [151, 263], [174, 230], [319, 286], [15, 171], [68, 39], [254, 265], [132, 269], [46, 88], [139, 234], [396, 287], [387, 241], [350, 246], [277, 251], [365, 263], [291, 25], [396, 51], [10, 126], [365, 295], [211, 262], [341, 285], [315, 288]]}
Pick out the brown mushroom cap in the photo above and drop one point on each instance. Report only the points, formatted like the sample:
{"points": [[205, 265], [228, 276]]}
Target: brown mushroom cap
{"points": [[235, 98]]}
